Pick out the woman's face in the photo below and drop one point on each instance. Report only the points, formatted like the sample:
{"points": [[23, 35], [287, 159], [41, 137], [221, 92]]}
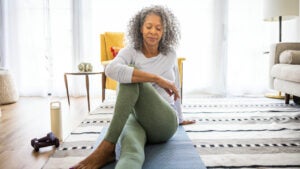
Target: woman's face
{"points": [[152, 30]]}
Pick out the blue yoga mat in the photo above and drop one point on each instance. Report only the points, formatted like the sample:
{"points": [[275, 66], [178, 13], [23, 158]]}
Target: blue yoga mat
{"points": [[176, 153]]}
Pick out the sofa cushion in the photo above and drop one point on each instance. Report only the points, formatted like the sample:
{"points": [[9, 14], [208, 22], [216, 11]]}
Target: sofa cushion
{"points": [[290, 57], [286, 72]]}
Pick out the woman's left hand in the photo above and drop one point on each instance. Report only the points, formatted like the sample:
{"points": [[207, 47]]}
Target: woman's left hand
{"points": [[169, 87]]}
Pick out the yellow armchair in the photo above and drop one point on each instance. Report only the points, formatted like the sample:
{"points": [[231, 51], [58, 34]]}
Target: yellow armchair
{"points": [[108, 40], [116, 39]]}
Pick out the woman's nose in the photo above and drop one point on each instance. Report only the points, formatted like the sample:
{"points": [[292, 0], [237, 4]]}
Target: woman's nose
{"points": [[153, 31]]}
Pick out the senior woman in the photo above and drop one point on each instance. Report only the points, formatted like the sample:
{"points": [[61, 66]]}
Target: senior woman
{"points": [[147, 107]]}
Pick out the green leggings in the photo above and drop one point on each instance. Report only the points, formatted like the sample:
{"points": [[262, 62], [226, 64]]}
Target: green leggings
{"points": [[140, 115]]}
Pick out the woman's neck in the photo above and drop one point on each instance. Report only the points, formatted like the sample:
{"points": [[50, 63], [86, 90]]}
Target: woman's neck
{"points": [[150, 51]]}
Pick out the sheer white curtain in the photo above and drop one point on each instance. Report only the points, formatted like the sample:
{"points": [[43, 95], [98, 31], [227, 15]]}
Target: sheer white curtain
{"points": [[1, 34], [24, 45], [59, 38], [247, 66], [40, 41]]}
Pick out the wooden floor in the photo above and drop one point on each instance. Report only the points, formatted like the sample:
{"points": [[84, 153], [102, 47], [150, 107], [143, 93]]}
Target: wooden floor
{"points": [[30, 118]]}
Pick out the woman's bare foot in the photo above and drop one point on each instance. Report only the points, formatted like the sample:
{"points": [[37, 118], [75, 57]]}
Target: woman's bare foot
{"points": [[186, 122], [104, 154]]}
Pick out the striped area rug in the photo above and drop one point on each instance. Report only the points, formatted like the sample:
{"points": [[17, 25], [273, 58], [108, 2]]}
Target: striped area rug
{"points": [[245, 132], [237, 132]]}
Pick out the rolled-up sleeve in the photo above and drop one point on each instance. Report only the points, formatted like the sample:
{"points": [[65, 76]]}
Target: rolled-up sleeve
{"points": [[119, 70]]}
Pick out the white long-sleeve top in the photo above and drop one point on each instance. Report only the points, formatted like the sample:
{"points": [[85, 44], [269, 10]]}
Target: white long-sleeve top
{"points": [[121, 70]]}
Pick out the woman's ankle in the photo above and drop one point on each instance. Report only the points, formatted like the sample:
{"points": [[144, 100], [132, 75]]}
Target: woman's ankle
{"points": [[106, 146]]}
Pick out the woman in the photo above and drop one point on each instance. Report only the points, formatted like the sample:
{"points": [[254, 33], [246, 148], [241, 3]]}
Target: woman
{"points": [[148, 103]]}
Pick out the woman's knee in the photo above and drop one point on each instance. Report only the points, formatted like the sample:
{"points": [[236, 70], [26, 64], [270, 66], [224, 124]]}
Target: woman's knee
{"points": [[128, 86], [127, 94]]}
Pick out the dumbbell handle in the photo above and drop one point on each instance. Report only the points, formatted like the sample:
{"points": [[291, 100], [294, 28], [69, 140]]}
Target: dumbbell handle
{"points": [[43, 144], [38, 145]]}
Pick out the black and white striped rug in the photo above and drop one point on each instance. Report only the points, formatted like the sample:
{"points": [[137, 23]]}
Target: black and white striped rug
{"points": [[236, 132], [245, 132]]}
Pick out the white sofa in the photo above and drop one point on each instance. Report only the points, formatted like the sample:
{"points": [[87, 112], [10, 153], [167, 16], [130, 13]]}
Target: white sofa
{"points": [[285, 69]]}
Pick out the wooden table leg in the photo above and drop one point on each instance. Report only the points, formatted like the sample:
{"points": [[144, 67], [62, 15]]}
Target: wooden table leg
{"points": [[67, 88], [103, 86], [87, 83], [181, 86]]}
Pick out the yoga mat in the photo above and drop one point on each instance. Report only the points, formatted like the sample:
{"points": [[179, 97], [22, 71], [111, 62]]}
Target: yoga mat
{"points": [[176, 153]]}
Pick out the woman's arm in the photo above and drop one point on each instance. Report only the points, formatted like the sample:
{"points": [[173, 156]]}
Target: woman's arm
{"points": [[142, 76]]}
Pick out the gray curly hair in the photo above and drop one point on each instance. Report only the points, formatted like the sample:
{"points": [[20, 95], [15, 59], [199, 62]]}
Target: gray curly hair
{"points": [[171, 34]]}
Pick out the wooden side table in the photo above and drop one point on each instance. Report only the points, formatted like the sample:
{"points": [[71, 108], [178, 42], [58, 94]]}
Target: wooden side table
{"points": [[87, 83]]}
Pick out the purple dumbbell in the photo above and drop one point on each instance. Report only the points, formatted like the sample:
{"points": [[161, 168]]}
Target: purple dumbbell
{"points": [[39, 145], [49, 137], [48, 140]]}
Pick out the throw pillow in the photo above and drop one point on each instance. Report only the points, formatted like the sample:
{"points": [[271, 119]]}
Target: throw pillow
{"points": [[290, 57], [115, 50]]}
